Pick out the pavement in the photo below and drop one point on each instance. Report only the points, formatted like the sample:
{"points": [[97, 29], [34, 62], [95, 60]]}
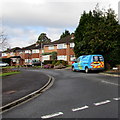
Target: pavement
{"points": [[113, 73], [19, 85]]}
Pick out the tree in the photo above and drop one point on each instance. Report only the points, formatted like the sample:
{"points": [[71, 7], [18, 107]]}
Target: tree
{"points": [[3, 41], [43, 38], [98, 33], [64, 34], [54, 55]]}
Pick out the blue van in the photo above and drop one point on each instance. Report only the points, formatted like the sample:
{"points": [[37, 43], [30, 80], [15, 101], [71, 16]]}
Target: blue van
{"points": [[88, 62]]}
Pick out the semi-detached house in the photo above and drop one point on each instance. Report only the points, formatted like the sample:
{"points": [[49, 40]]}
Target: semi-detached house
{"points": [[33, 53], [64, 48]]}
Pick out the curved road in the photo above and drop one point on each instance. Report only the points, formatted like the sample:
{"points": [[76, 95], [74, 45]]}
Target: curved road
{"points": [[73, 95]]}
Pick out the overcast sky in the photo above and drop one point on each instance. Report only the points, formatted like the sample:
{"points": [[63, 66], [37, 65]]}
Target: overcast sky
{"points": [[24, 20]]}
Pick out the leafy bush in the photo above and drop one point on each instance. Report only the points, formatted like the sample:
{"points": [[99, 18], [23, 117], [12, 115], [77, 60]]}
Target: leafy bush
{"points": [[57, 63], [65, 63], [48, 62], [54, 62]]}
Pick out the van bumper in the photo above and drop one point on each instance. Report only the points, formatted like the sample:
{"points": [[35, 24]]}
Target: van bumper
{"points": [[96, 69]]}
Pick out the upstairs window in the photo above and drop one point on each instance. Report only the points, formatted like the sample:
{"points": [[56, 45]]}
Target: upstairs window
{"points": [[51, 47], [27, 51], [4, 54], [35, 51], [61, 46], [72, 45], [11, 53]]}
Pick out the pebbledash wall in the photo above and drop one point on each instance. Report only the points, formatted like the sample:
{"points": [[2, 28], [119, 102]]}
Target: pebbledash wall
{"points": [[33, 53]]}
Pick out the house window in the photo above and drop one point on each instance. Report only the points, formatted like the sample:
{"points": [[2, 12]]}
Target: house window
{"points": [[27, 51], [51, 47], [63, 57], [11, 53], [20, 52], [4, 54], [35, 60], [35, 51], [72, 45], [27, 60], [61, 46], [45, 57], [42, 51]]}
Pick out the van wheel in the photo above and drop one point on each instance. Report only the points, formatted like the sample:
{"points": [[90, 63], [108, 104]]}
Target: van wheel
{"points": [[86, 70], [73, 69]]}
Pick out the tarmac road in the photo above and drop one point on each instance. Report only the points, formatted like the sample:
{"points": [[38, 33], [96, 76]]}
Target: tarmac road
{"points": [[73, 95], [19, 85]]}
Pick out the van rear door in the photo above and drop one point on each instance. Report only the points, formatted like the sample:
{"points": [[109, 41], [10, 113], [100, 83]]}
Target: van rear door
{"points": [[98, 61]]}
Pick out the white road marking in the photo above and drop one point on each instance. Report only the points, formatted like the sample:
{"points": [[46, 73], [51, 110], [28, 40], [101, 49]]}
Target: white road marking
{"points": [[101, 103], [116, 98], [81, 108], [52, 115], [110, 83]]}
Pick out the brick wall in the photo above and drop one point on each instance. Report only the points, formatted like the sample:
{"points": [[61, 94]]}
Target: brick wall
{"points": [[46, 49], [35, 55]]}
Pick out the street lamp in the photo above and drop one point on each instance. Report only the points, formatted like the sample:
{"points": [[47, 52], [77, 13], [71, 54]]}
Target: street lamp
{"points": [[41, 54]]}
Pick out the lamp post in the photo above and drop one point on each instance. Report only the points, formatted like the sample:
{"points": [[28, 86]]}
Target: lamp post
{"points": [[41, 54]]}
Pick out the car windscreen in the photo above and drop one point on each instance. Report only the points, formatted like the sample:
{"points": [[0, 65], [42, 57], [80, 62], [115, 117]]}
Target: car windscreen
{"points": [[97, 58]]}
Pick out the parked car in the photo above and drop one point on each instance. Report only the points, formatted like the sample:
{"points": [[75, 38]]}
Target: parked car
{"points": [[36, 63], [88, 62], [2, 64]]}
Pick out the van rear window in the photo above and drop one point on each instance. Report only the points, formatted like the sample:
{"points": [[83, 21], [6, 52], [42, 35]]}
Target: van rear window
{"points": [[97, 58]]}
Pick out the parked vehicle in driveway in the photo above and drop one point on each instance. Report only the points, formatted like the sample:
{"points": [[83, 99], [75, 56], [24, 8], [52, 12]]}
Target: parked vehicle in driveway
{"points": [[2, 64], [88, 62]]}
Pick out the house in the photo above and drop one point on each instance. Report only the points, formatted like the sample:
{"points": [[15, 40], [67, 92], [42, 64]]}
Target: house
{"points": [[34, 53], [64, 48], [13, 55]]}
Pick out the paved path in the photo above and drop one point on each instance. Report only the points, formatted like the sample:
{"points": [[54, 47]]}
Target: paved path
{"points": [[20, 85]]}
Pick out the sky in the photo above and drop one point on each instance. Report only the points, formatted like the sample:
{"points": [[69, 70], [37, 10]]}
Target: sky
{"points": [[22, 21]]}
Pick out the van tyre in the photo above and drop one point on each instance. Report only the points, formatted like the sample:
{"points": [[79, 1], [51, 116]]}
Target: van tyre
{"points": [[86, 70]]}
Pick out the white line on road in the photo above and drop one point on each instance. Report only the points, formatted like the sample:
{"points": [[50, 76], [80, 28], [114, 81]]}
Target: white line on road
{"points": [[52, 115], [110, 83], [116, 98], [81, 108], [101, 103]]}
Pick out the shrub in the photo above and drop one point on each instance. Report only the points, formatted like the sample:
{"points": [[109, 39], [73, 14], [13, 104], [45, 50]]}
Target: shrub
{"points": [[48, 66], [65, 63], [48, 62], [57, 63], [54, 62]]}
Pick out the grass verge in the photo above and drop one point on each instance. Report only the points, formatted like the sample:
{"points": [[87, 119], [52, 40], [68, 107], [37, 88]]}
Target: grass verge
{"points": [[10, 73]]}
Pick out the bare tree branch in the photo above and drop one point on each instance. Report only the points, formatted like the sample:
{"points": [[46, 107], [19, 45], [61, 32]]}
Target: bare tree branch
{"points": [[3, 41]]}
